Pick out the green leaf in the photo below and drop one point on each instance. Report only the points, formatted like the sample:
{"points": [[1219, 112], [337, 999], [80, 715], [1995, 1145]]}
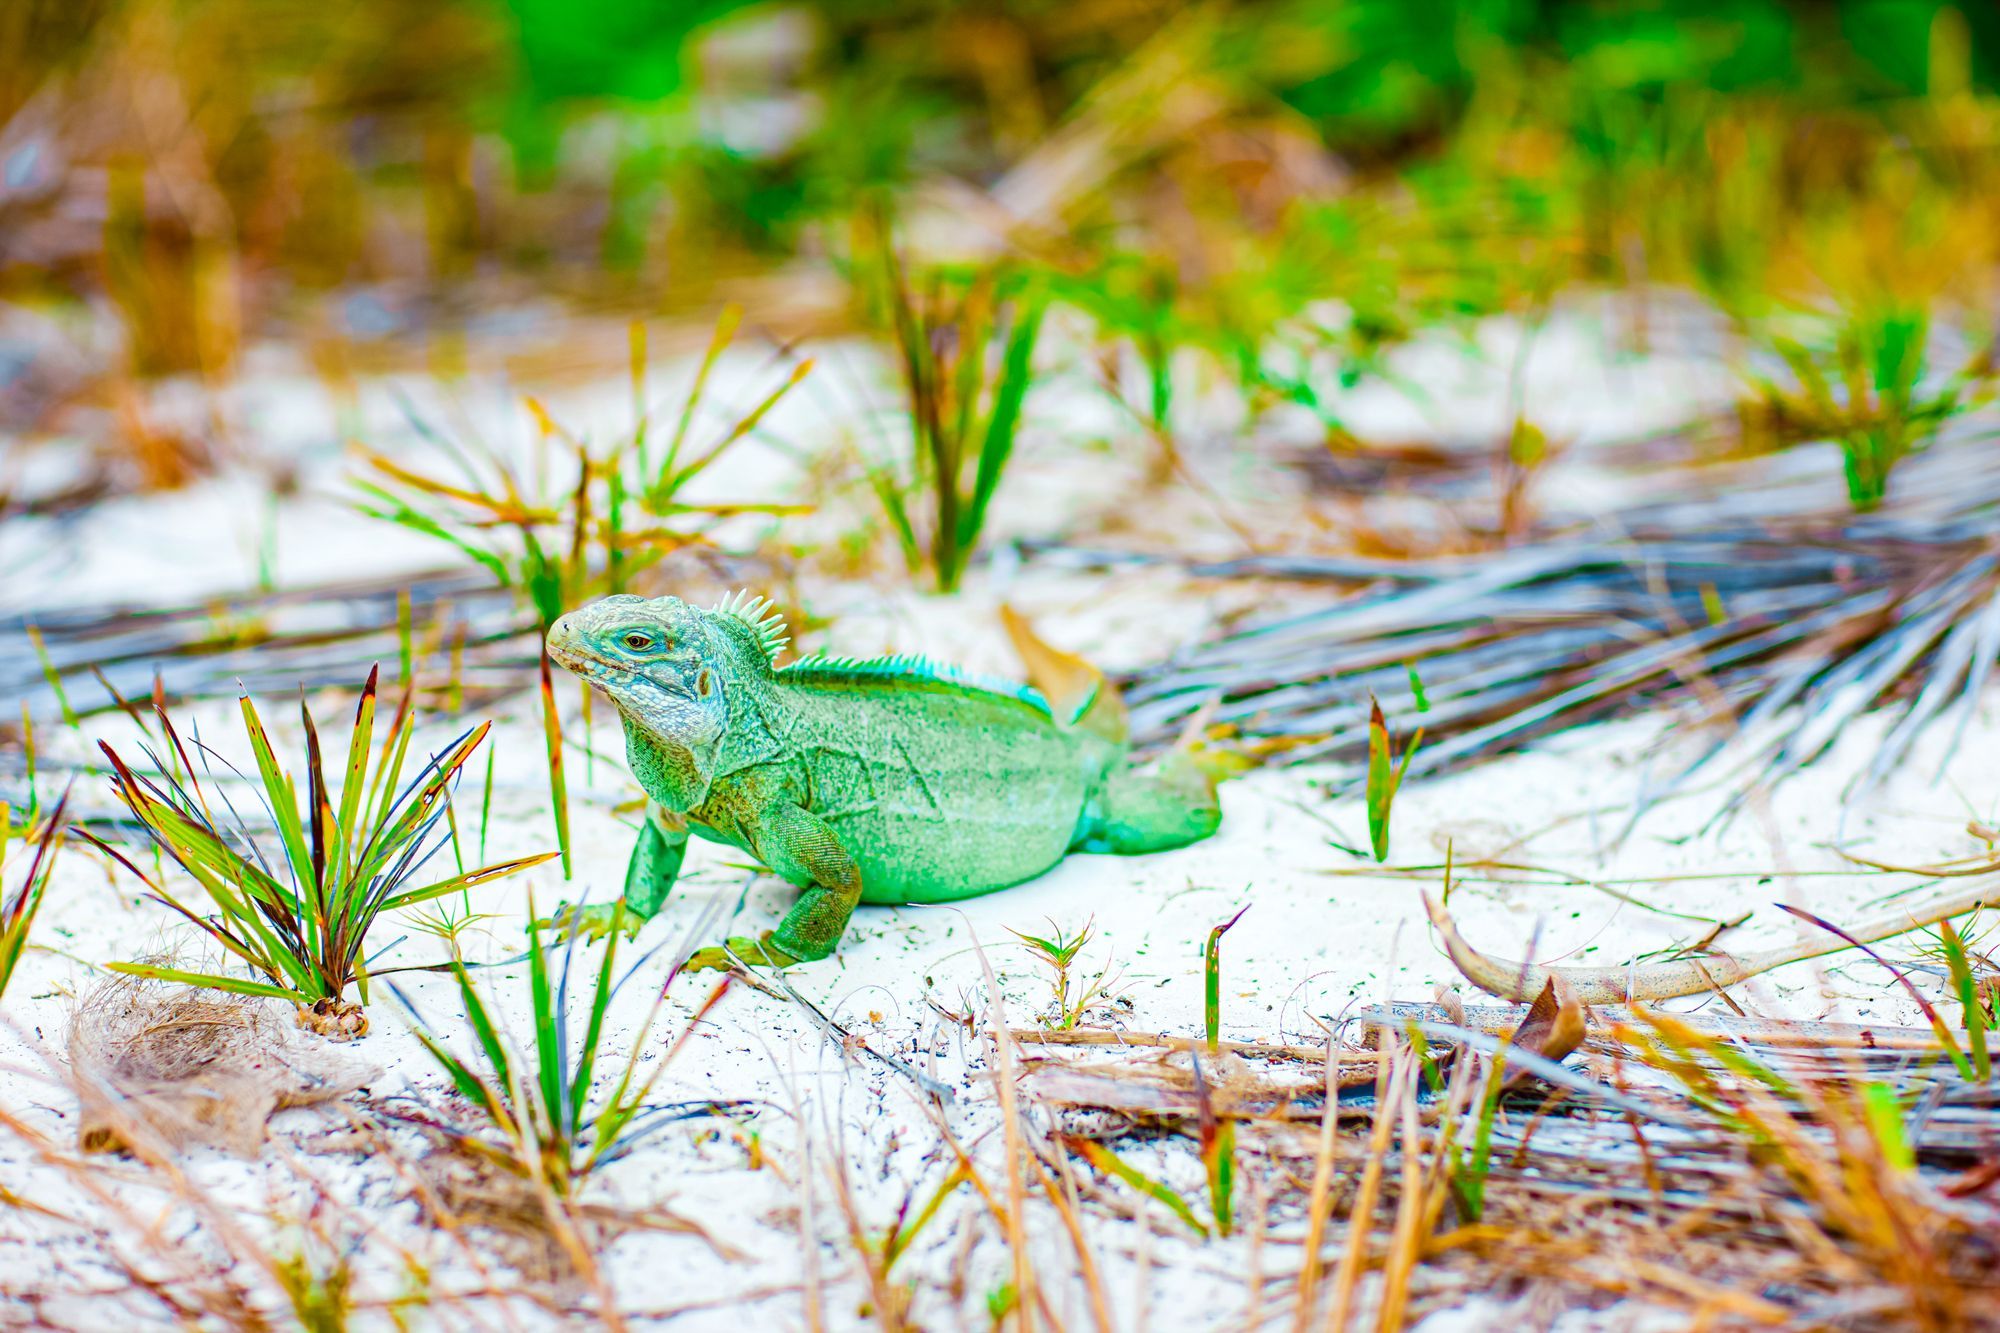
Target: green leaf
{"points": [[1110, 1163], [1385, 775], [359, 738], [1967, 989], [483, 1027], [549, 1054], [1016, 377], [209, 980], [558, 786], [1417, 688], [470, 1085], [1212, 980], [470, 879], [278, 789], [50, 675], [600, 1000], [1885, 1120]]}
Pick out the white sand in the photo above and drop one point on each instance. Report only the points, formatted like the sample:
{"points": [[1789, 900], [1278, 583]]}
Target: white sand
{"points": [[1324, 931]]}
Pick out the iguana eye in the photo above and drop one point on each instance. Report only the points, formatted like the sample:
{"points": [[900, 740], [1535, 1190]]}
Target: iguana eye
{"points": [[638, 642], [704, 683]]}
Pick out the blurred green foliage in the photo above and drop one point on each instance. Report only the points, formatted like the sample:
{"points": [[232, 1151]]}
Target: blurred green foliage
{"points": [[1289, 187]]}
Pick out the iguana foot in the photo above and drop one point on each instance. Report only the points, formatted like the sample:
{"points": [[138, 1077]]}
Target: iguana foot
{"points": [[594, 922], [740, 949]]}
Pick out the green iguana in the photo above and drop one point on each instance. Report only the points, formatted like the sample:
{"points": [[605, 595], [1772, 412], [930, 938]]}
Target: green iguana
{"points": [[887, 781]]}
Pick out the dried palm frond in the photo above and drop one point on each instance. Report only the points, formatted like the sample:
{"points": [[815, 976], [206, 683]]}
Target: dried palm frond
{"points": [[1773, 608]]}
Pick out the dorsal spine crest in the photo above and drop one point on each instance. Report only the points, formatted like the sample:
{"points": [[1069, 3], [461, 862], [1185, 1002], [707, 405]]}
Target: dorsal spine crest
{"points": [[759, 616], [830, 668]]}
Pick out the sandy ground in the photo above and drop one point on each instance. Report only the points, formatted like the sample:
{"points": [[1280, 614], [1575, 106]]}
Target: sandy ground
{"points": [[1325, 930]]}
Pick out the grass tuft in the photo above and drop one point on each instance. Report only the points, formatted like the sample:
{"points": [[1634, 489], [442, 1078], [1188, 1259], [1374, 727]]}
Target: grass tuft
{"points": [[343, 857], [624, 510], [538, 1115], [965, 345]]}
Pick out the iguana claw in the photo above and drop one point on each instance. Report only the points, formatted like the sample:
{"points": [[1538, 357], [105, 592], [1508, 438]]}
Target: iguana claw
{"points": [[594, 922], [740, 949]]}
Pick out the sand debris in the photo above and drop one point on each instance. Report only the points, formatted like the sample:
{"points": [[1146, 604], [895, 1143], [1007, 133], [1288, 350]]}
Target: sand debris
{"points": [[188, 1067]]}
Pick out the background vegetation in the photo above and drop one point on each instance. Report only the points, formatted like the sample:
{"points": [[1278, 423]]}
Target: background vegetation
{"points": [[1289, 186]]}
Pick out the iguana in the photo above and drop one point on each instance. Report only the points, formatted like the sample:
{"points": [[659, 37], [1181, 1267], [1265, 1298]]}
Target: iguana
{"points": [[892, 780]]}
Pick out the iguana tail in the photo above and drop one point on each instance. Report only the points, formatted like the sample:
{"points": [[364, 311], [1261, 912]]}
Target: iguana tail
{"points": [[1078, 693]]}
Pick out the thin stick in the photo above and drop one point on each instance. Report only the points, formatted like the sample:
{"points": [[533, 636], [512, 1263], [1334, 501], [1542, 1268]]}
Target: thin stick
{"points": [[1522, 981], [1166, 1041], [1017, 1240], [1322, 1183], [1348, 1276]]}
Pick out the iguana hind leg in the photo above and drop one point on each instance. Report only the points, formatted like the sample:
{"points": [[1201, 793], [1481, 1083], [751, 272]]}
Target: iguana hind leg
{"points": [[1152, 808]]}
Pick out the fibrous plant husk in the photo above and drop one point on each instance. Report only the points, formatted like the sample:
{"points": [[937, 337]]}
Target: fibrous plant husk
{"points": [[189, 1067]]}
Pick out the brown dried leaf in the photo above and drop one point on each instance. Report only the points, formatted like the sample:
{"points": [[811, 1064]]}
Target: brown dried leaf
{"points": [[1554, 1027]]}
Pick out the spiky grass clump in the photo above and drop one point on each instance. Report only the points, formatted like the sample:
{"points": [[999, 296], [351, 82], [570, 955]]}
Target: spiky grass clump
{"points": [[537, 1118], [623, 512], [1867, 385], [965, 345], [342, 865]]}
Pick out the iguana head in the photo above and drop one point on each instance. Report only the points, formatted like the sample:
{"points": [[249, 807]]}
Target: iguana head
{"points": [[671, 669]]}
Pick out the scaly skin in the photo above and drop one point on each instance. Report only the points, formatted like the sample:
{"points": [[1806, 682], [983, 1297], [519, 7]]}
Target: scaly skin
{"points": [[889, 782]]}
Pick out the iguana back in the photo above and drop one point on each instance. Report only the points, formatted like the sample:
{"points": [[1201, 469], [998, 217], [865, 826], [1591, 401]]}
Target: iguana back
{"points": [[940, 788]]}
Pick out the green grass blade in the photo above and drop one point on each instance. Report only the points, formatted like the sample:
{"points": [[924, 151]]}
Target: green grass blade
{"points": [[1929, 1011], [1381, 789], [486, 801], [1212, 981], [359, 739], [558, 786], [1884, 1113], [742, 428], [600, 1000], [1017, 374], [17, 917], [1111, 1164], [409, 818], [278, 789], [50, 675], [725, 330], [470, 879], [1472, 1183], [319, 808], [473, 1088], [1967, 989], [393, 510], [206, 980], [483, 1027], [549, 1055], [1219, 1157]]}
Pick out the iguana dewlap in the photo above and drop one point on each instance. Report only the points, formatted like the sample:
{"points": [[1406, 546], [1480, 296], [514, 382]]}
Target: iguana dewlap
{"points": [[884, 781]]}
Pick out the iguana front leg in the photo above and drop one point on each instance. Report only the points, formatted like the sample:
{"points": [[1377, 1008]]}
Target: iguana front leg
{"points": [[800, 845], [649, 877]]}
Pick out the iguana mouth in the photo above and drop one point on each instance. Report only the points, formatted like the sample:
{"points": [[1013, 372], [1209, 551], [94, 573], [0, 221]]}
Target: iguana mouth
{"points": [[567, 650]]}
